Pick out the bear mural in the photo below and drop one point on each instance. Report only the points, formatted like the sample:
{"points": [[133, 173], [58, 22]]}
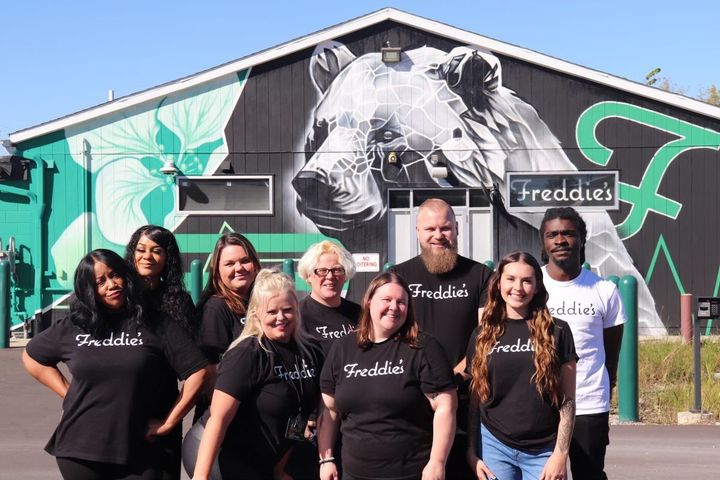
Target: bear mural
{"points": [[448, 106]]}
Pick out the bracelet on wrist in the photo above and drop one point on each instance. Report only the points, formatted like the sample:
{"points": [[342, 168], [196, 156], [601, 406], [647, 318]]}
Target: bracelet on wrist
{"points": [[327, 460]]}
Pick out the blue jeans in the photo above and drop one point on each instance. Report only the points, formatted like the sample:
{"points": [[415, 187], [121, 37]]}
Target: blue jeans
{"points": [[508, 463]]}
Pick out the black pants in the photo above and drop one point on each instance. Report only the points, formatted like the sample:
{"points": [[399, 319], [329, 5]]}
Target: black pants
{"points": [[457, 467], [230, 464], [587, 448], [77, 469]]}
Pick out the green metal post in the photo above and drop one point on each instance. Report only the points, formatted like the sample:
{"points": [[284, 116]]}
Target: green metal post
{"points": [[4, 304], [388, 266], [195, 280], [288, 267], [490, 264], [586, 266], [614, 278], [628, 367]]}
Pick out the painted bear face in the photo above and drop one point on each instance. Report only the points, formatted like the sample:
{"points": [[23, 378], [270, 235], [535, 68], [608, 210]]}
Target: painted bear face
{"points": [[433, 108]]}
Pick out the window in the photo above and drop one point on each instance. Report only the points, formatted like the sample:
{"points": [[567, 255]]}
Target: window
{"points": [[240, 195]]}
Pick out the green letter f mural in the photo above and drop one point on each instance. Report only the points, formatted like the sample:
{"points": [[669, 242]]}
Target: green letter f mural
{"points": [[643, 197]]}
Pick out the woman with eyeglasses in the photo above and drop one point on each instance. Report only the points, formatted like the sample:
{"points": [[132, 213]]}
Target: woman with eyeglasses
{"points": [[122, 412], [326, 315]]}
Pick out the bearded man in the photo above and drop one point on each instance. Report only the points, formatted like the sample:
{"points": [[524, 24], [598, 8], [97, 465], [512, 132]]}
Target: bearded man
{"points": [[448, 290]]}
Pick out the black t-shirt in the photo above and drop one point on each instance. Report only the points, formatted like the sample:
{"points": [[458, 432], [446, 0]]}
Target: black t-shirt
{"points": [[273, 384], [218, 328], [515, 413], [380, 395], [446, 305], [154, 299], [119, 382], [326, 324]]}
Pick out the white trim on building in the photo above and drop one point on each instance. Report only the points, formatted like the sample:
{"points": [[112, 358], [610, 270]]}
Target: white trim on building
{"points": [[360, 23]]}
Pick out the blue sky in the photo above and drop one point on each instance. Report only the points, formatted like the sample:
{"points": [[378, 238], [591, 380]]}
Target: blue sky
{"points": [[61, 57]]}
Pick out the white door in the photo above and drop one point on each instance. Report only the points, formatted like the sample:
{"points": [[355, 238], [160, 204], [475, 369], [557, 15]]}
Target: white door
{"points": [[474, 230]]}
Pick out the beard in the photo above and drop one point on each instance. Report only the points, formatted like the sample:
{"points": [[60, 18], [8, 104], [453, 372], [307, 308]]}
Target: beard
{"points": [[441, 261], [570, 263]]}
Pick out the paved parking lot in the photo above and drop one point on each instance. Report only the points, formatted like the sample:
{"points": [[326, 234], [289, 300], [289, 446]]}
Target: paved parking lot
{"points": [[637, 452]]}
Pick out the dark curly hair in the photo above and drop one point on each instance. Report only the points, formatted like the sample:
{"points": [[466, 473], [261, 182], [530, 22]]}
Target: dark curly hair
{"points": [[89, 314], [171, 298], [564, 213]]}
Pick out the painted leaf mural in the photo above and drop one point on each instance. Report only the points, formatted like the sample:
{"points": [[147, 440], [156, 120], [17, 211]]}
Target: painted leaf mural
{"points": [[125, 153]]}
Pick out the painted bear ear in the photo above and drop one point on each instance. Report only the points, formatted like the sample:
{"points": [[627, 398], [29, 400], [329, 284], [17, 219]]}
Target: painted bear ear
{"points": [[472, 74], [328, 60]]}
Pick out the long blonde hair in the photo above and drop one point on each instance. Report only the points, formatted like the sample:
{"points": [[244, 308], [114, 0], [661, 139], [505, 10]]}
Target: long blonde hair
{"points": [[268, 283], [541, 324]]}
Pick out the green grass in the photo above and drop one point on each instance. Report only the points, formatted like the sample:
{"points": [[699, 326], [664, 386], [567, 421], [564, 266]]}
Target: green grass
{"points": [[665, 375]]}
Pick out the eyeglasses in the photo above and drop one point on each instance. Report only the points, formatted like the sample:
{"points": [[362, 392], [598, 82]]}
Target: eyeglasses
{"points": [[322, 272]]}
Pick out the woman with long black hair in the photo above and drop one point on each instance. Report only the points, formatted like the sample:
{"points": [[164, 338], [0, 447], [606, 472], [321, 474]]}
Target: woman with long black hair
{"points": [[154, 254], [121, 416]]}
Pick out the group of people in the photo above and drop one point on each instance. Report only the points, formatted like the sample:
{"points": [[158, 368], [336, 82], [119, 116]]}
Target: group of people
{"points": [[445, 370]]}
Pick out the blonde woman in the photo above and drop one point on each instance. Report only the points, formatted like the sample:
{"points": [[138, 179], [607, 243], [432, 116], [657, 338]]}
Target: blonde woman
{"points": [[523, 380], [267, 385], [327, 316]]}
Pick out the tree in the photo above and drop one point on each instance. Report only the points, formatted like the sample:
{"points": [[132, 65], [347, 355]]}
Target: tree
{"points": [[709, 95]]}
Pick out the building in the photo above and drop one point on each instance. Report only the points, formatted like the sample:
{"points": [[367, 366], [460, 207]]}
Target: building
{"points": [[342, 133]]}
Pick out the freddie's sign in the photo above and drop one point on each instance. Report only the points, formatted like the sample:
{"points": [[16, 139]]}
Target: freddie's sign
{"points": [[582, 190]]}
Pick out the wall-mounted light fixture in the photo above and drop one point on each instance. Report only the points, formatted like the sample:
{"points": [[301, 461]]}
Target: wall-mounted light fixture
{"points": [[392, 157], [390, 54], [438, 172], [169, 168]]}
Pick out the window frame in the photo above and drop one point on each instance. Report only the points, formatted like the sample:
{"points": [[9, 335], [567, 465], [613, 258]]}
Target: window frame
{"points": [[207, 178]]}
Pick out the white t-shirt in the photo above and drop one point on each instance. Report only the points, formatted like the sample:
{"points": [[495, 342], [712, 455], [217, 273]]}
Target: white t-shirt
{"points": [[589, 305]]}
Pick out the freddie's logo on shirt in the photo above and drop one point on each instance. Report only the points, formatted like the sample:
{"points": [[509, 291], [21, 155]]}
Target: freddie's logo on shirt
{"points": [[334, 333], [376, 371], [517, 347], [296, 374], [572, 308], [442, 293], [122, 340]]}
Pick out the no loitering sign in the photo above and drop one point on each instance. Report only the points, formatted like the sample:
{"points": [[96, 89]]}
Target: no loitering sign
{"points": [[367, 262]]}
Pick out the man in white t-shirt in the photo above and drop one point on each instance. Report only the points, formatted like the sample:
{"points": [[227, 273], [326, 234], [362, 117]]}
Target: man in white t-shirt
{"points": [[592, 308]]}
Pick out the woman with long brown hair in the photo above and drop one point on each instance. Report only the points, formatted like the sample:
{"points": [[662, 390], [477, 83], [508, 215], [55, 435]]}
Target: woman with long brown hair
{"points": [[523, 379], [233, 267], [393, 388], [234, 264]]}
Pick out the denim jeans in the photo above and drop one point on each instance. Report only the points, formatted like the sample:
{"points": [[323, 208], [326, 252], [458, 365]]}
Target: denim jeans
{"points": [[508, 463]]}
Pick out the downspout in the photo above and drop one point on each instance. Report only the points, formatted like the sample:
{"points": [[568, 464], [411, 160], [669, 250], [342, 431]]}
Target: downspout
{"points": [[39, 210], [40, 213]]}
